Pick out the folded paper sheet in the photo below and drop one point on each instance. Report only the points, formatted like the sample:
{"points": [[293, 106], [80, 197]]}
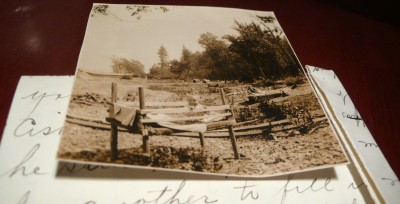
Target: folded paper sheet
{"points": [[29, 172], [359, 139]]}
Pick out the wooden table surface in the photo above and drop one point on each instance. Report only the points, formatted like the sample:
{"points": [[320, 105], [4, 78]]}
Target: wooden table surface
{"points": [[45, 37]]}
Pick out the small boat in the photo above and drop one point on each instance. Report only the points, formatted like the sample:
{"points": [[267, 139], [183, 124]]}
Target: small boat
{"points": [[107, 74]]}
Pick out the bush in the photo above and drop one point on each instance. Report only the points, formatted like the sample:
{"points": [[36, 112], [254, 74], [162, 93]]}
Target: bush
{"points": [[271, 110], [260, 109], [246, 113], [299, 116], [199, 161]]}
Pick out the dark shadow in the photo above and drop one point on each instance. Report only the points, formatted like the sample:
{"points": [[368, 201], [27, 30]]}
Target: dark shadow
{"points": [[95, 171]]}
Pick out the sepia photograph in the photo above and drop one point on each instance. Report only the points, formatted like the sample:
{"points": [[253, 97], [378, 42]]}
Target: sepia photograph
{"points": [[195, 89]]}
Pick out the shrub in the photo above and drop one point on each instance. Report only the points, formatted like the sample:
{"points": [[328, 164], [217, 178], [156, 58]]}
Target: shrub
{"points": [[260, 109], [246, 113], [299, 116], [199, 161], [271, 110]]}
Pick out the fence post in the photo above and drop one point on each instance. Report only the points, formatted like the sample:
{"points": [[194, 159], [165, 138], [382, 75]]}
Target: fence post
{"points": [[144, 130], [230, 128], [114, 128], [201, 135]]}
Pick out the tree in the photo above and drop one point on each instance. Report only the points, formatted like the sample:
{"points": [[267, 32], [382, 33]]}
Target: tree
{"points": [[158, 73], [163, 55], [218, 56], [282, 45], [258, 48], [125, 66], [161, 70], [176, 67], [186, 61], [155, 71], [134, 10], [191, 65]]}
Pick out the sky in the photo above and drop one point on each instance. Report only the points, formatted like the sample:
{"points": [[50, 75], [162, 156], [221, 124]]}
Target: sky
{"points": [[121, 35]]}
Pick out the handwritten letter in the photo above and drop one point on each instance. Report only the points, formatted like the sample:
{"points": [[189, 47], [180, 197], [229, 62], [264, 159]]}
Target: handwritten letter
{"points": [[29, 172], [371, 157]]}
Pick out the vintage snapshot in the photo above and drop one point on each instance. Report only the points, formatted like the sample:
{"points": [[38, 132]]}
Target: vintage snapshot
{"points": [[195, 89]]}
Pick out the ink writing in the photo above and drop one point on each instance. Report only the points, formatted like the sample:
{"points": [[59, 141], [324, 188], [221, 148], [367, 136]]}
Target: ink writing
{"points": [[355, 186], [392, 181], [38, 97], [349, 116], [24, 198], [22, 165], [169, 195], [73, 168], [313, 187], [355, 116], [246, 192], [343, 96], [28, 127], [368, 144]]}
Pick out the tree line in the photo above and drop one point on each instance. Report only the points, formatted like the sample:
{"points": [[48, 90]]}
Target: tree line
{"points": [[257, 51]]}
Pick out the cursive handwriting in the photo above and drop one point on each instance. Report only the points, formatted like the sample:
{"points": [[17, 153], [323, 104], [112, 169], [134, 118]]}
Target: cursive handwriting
{"points": [[21, 166], [355, 186], [317, 69], [352, 117], [392, 181], [343, 96], [312, 187], [356, 116], [244, 195], [175, 197], [38, 97], [368, 144], [162, 197], [73, 168], [27, 127], [24, 198]]}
